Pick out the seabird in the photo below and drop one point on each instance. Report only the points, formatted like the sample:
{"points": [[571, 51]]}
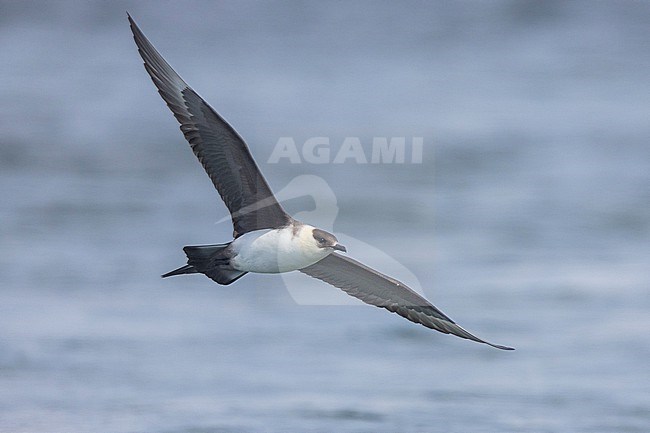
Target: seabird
{"points": [[266, 238]]}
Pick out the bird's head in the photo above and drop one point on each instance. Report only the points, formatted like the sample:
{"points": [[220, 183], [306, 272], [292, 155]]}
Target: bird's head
{"points": [[326, 240]]}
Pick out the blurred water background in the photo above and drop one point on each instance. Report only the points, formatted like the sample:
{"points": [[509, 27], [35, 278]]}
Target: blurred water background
{"points": [[527, 222]]}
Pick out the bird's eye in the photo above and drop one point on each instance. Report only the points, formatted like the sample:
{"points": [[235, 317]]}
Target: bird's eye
{"points": [[321, 240]]}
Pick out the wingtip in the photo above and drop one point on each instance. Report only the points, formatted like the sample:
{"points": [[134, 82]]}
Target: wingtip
{"points": [[132, 24], [498, 346], [507, 348]]}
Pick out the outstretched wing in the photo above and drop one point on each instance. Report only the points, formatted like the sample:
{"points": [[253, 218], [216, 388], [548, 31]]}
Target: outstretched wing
{"points": [[374, 288], [222, 152]]}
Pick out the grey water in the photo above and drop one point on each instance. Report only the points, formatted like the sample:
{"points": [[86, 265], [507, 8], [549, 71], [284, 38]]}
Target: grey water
{"points": [[527, 222]]}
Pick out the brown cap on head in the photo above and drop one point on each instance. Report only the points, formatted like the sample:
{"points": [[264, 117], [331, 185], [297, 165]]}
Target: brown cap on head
{"points": [[327, 240]]}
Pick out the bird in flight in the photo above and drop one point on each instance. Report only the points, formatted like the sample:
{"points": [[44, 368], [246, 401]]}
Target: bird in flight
{"points": [[266, 238]]}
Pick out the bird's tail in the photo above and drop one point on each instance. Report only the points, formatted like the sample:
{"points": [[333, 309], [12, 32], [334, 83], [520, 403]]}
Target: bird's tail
{"points": [[208, 260], [187, 269]]}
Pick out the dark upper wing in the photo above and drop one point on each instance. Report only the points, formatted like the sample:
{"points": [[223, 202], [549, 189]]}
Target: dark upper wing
{"points": [[222, 152], [374, 288]]}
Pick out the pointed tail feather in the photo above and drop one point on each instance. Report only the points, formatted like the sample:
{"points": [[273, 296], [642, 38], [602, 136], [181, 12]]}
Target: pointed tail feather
{"points": [[187, 269], [208, 260]]}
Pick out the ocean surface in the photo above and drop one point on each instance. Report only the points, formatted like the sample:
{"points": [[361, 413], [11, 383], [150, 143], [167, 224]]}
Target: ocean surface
{"points": [[527, 220]]}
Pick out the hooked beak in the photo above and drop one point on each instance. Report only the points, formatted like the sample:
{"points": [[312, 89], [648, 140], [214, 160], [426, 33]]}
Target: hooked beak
{"points": [[339, 247]]}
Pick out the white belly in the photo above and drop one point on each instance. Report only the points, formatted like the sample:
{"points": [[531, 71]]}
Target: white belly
{"points": [[274, 251]]}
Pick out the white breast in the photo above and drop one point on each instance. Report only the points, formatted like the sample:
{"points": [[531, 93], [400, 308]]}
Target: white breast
{"points": [[277, 250]]}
